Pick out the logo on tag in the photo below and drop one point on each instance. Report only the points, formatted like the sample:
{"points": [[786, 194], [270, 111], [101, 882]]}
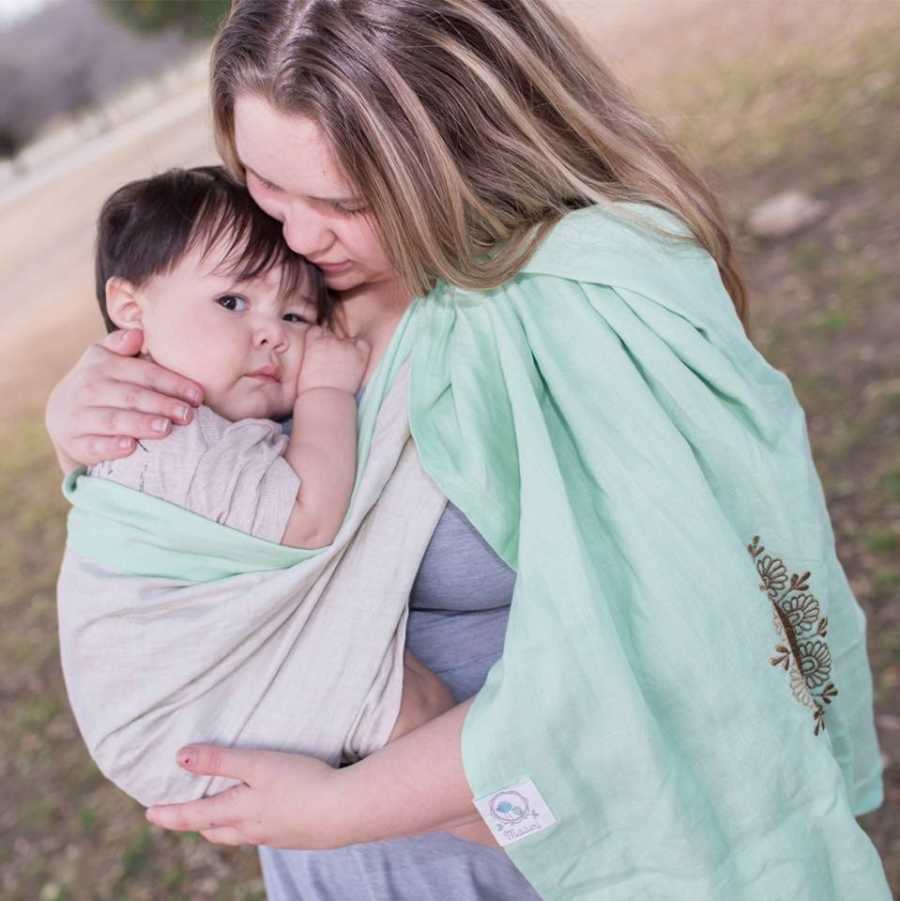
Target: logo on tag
{"points": [[514, 812]]}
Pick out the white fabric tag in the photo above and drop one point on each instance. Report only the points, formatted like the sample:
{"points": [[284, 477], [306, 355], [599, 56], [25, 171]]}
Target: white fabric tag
{"points": [[514, 812]]}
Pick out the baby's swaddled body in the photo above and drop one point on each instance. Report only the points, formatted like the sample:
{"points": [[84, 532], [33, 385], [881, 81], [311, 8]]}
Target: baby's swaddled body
{"points": [[178, 627]]}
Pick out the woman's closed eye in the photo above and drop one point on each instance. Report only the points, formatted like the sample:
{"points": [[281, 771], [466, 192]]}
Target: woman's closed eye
{"points": [[264, 183], [296, 317], [346, 209], [233, 302]]}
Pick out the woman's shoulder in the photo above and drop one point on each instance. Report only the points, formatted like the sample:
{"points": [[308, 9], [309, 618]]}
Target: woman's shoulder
{"points": [[618, 255], [617, 220], [642, 252], [611, 237]]}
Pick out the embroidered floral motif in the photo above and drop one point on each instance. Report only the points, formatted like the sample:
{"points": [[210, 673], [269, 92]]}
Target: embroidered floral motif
{"points": [[802, 651], [802, 611]]}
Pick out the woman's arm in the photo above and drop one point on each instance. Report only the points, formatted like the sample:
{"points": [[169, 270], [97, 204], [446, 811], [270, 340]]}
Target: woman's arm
{"points": [[414, 785], [109, 399]]}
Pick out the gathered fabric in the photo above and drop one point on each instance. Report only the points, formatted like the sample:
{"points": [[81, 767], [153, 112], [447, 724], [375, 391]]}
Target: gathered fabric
{"points": [[175, 628], [683, 709]]}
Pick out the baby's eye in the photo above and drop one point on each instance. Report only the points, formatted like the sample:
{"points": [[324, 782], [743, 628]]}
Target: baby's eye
{"points": [[233, 302], [295, 317]]}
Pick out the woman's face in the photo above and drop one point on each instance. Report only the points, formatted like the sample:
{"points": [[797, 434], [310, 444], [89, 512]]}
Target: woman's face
{"points": [[293, 175]]}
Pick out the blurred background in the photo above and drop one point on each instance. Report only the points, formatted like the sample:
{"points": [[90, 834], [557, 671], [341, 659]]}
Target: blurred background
{"points": [[791, 110]]}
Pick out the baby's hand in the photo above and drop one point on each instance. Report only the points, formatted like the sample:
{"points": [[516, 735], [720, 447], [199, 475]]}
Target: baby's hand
{"points": [[332, 362]]}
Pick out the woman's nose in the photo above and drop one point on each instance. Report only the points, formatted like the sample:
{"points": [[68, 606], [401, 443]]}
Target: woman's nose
{"points": [[307, 234]]}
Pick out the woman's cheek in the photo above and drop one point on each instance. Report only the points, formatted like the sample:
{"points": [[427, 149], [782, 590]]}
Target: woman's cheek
{"points": [[264, 201], [272, 207], [367, 245]]}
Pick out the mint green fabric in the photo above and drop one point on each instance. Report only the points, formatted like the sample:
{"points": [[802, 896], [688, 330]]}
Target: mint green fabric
{"points": [[606, 425], [141, 535]]}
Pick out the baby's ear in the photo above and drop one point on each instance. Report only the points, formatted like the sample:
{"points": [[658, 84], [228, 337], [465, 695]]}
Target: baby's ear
{"points": [[123, 304]]}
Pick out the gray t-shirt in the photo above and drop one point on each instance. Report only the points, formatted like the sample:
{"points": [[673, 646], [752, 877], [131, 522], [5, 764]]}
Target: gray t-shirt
{"points": [[459, 608]]}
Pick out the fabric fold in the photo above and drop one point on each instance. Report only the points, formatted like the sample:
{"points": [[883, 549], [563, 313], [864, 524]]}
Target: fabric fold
{"points": [[684, 684]]}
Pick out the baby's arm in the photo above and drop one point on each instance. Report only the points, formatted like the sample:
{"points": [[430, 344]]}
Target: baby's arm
{"points": [[322, 448]]}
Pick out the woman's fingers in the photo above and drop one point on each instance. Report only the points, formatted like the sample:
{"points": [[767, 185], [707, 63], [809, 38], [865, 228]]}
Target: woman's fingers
{"points": [[162, 381], [225, 835], [111, 432], [285, 801], [227, 809], [124, 341], [114, 421], [111, 399], [92, 448], [130, 397], [213, 760]]}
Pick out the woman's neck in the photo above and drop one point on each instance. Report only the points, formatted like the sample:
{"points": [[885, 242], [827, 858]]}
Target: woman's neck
{"points": [[372, 312]]}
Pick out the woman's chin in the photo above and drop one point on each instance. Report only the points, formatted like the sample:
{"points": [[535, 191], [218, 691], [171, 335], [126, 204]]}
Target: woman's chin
{"points": [[345, 280]]}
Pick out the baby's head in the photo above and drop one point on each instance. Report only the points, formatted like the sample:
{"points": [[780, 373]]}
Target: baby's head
{"points": [[189, 258]]}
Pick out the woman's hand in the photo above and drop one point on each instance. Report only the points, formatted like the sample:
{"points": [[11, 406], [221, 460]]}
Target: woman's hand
{"points": [[110, 399], [414, 785], [286, 801]]}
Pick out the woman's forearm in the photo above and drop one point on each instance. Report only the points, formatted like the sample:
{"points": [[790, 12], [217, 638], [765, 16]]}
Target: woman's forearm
{"points": [[415, 784]]}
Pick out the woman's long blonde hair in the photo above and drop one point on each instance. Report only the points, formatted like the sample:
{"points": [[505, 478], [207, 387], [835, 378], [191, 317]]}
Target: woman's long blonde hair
{"points": [[470, 126]]}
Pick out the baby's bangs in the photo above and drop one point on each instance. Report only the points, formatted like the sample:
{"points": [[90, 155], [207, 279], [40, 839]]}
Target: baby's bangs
{"points": [[248, 243]]}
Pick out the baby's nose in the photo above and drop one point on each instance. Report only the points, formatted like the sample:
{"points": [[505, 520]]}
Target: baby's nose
{"points": [[271, 333]]}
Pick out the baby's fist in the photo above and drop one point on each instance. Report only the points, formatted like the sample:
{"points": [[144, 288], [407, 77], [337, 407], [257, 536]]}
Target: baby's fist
{"points": [[333, 362]]}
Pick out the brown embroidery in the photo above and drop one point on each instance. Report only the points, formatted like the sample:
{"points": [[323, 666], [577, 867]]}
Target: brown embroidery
{"points": [[803, 652]]}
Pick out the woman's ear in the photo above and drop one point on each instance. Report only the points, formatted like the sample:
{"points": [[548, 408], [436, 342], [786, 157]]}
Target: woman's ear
{"points": [[123, 303]]}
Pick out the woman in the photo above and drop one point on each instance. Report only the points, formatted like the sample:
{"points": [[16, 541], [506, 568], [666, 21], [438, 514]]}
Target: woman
{"points": [[582, 391]]}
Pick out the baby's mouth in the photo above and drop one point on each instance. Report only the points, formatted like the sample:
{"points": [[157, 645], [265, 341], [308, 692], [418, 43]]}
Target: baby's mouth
{"points": [[266, 374]]}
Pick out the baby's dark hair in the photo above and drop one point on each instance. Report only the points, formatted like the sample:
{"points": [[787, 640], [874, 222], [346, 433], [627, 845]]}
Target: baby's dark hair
{"points": [[146, 228]]}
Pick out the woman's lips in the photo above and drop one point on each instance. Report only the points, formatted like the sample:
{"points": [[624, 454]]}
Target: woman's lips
{"points": [[334, 267]]}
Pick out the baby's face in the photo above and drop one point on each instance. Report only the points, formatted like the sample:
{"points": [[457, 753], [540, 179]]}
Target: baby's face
{"points": [[242, 342]]}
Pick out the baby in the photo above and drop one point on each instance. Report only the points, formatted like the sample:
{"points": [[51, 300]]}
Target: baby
{"points": [[189, 259]]}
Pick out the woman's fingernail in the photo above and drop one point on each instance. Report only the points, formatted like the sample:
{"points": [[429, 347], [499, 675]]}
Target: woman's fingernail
{"points": [[194, 396], [184, 413], [125, 444], [160, 425]]}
